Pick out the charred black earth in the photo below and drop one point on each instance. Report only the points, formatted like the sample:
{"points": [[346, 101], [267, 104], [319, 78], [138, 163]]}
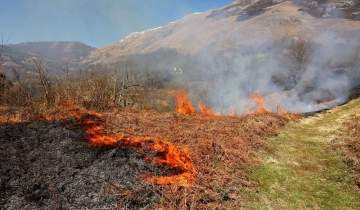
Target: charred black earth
{"points": [[48, 166]]}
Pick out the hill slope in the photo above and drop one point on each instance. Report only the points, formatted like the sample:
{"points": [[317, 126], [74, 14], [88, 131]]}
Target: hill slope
{"points": [[56, 55], [309, 62], [226, 28]]}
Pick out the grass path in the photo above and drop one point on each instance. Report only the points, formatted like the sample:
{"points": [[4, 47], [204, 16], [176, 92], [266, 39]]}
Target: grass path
{"points": [[302, 171]]}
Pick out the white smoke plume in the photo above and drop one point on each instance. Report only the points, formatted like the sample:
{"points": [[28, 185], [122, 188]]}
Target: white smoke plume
{"points": [[300, 71], [324, 79]]}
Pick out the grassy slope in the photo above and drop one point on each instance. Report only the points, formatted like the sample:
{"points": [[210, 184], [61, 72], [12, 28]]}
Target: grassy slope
{"points": [[302, 171]]}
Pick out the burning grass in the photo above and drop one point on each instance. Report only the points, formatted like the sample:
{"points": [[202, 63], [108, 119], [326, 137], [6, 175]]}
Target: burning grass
{"points": [[211, 173], [93, 124], [220, 150], [166, 154], [183, 104]]}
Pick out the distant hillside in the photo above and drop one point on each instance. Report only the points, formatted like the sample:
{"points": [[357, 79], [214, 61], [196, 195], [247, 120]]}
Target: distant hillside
{"points": [[243, 22], [55, 55], [302, 54], [349, 9]]}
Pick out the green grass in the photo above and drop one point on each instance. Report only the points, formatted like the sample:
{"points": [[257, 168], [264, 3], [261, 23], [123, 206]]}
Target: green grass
{"points": [[302, 171]]}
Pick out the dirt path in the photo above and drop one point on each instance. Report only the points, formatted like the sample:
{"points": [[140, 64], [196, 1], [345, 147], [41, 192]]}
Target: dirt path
{"points": [[303, 171]]}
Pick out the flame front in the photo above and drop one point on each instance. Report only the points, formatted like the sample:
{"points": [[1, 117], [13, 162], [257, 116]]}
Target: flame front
{"points": [[183, 104], [206, 110], [166, 153], [260, 103], [162, 153]]}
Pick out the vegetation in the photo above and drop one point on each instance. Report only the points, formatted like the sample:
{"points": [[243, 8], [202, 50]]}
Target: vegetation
{"points": [[302, 170], [227, 144], [351, 144], [99, 90]]}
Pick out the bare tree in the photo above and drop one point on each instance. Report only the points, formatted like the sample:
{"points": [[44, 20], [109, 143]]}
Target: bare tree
{"points": [[127, 87], [2, 73], [42, 73]]}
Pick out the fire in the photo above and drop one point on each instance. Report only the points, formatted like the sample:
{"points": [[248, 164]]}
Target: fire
{"points": [[260, 103], [183, 104], [162, 153], [206, 110], [166, 153]]}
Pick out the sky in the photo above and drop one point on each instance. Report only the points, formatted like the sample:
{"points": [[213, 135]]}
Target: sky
{"points": [[94, 22]]}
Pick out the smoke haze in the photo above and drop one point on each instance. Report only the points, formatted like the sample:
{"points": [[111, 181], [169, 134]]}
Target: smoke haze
{"points": [[296, 58]]}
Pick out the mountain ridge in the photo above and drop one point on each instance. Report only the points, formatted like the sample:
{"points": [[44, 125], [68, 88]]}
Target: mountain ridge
{"points": [[56, 55], [122, 46]]}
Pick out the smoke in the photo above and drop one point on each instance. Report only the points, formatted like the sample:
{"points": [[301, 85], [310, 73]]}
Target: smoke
{"points": [[330, 74], [223, 59], [292, 73]]}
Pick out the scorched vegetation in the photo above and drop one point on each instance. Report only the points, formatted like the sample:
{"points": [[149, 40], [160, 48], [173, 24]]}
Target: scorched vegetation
{"points": [[93, 142]]}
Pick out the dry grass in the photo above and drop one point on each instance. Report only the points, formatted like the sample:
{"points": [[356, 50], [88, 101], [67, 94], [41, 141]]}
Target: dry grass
{"points": [[352, 143], [353, 132], [302, 170], [221, 149]]}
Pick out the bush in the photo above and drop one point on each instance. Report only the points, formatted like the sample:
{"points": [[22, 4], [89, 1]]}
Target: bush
{"points": [[94, 89]]}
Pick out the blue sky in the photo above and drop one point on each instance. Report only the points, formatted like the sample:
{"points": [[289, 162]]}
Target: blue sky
{"points": [[94, 22]]}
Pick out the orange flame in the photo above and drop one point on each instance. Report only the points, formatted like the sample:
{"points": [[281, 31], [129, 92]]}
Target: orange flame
{"points": [[206, 110], [166, 153], [260, 103], [183, 104]]}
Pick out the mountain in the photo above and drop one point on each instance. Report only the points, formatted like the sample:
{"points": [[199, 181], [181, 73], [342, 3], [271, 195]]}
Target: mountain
{"points": [[55, 55], [302, 55], [228, 27]]}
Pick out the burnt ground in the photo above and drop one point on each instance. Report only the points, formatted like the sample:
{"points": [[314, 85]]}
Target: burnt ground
{"points": [[48, 165], [45, 165]]}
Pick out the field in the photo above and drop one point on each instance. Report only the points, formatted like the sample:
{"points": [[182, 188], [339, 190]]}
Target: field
{"points": [[159, 160], [305, 166], [99, 144], [351, 144]]}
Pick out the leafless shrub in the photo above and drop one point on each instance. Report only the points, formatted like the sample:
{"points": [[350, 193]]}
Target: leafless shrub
{"points": [[42, 74], [94, 89]]}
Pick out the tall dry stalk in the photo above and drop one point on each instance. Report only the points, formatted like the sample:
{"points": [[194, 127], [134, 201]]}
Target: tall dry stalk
{"points": [[42, 73]]}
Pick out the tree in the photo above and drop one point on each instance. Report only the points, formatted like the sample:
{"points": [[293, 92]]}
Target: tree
{"points": [[2, 73], [42, 74]]}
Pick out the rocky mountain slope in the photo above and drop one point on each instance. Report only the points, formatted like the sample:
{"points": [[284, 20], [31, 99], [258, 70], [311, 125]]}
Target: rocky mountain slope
{"points": [[306, 52], [225, 28], [56, 56]]}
